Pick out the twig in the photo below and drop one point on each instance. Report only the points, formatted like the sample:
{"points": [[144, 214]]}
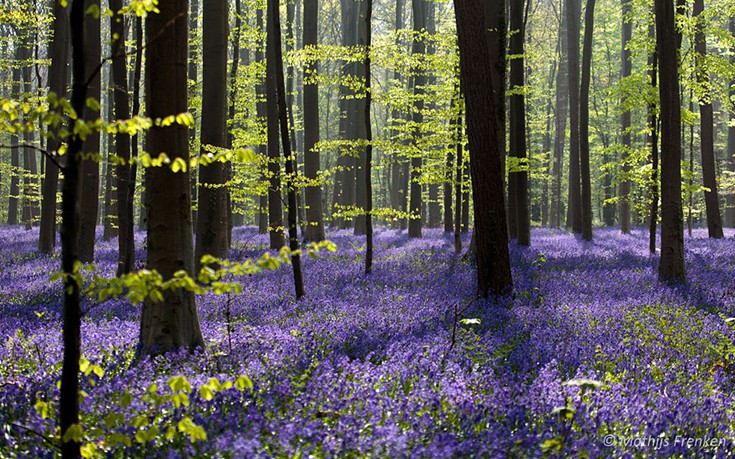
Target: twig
{"points": [[457, 314], [38, 434], [45, 152]]}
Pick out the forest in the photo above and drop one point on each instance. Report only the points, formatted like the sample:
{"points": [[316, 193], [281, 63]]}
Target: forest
{"points": [[367, 228]]}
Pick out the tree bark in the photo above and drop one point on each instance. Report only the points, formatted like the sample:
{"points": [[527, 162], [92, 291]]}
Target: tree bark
{"points": [[213, 212], [275, 209], [653, 139], [57, 75], [671, 267], [562, 108], [70, 214], [584, 121], [291, 173], [493, 265], [706, 119], [730, 197], [369, 138], [415, 219], [313, 191], [574, 212], [519, 179], [172, 323], [262, 114], [625, 72]]}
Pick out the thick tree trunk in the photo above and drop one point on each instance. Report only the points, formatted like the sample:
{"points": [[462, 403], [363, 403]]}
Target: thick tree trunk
{"points": [[57, 76], [518, 179], [369, 138], [584, 121], [671, 267], [625, 72], [213, 213], [313, 191], [493, 266], [194, 90], [711, 197], [173, 323]]}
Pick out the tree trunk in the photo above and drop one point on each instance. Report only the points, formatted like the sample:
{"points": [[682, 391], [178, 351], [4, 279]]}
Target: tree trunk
{"points": [[30, 166], [313, 191], [625, 72], [70, 214], [493, 265], [213, 212], [730, 200], [653, 138], [57, 75], [15, 169], [519, 179], [574, 211], [91, 167], [369, 138], [275, 209], [671, 267], [173, 323], [126, 238], [194, 91], [711, 198], [398, 193], [562, 108], [262, 114], [584, 121], [415, 219], [291, 173]]}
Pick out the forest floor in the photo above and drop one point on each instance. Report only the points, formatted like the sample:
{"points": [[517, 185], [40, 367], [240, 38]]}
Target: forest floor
{"points": [[591, 357]]}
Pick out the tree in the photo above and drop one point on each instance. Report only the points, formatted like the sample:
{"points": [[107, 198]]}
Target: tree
{"points": [[560, 126], [671, 267], [313, 191], [275, 209], [711, 198], [419, 82], [493, 265], [584, 119], [730, 198], [70, 215], [213, 211], [126, 239], [91, 164], [172, 323], [518, 180], [369, 138], [57, 76], [291, 178], [574, 211], [625, 120]]}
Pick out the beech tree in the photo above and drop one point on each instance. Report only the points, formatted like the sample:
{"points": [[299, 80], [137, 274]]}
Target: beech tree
{"points": [[491, 235], [172, 323]]}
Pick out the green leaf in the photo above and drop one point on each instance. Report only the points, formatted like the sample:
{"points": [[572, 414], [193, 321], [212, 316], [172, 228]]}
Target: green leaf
{"points": [[73, 433], [470, 321], [92, 103], [243, 382]]}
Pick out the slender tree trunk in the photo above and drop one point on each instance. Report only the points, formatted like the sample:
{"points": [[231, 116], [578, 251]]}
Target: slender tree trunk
{"points": [[91, 167], [653, 127], [138, 70], [262, 114], [671, 267], [213, 212], [313, 192], [30, 166], [458, 206], [546, 188], [519, 179], [173, 323], [584, 120], [291, 173], [730, 197], [195, 57], [15, 169], [57, 76], [493, 265], [275, 209], [126, 238], [574, 213], [562, 108], [711, 197], [419, 23], [398, 192], [358, 124], [369, 138], [625, 120], [70, 214], [237, 218]]}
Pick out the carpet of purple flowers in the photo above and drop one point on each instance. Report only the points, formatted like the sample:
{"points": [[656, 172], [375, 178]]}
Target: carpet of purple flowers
{"points": [[591, 357]]}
